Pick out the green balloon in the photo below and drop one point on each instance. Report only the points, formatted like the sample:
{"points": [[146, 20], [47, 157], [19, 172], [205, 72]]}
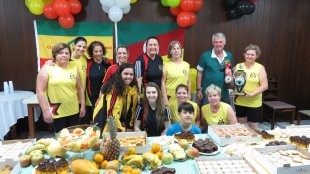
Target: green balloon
{"points": [[164, 3], [27, 3], [36, 7], [173, 3]]}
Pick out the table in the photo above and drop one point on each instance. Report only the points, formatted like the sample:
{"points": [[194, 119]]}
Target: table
{"points": [[33, 113], [11, 109]]}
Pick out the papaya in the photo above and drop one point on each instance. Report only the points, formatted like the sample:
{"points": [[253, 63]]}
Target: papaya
{"points": [[81, 166]]}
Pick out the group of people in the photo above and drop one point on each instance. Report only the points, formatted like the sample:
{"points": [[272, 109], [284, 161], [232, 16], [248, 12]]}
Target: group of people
{"points": [[149, 95]]}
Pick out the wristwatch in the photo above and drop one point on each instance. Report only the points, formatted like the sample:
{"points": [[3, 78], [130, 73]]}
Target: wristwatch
{"points": [[198, 89]]}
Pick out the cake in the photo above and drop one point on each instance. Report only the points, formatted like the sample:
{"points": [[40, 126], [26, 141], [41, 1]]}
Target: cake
{"points": [[163, 170], [53, 166], [302, 141], [276, 143], [205, 146], [190, 137], [265, 135]]}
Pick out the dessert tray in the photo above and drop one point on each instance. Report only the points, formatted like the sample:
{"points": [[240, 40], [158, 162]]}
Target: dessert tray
{"points": [[164, 141], [196, 138]]}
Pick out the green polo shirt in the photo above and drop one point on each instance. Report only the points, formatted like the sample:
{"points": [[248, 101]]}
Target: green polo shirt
{"points": [[214, 71]]}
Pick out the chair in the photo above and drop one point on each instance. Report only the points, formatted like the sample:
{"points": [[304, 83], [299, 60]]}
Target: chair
{"points": [[302, 112], [272, 103]]}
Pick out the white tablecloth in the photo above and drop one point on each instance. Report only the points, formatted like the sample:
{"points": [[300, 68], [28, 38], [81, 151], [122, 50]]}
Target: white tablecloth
{"points": [[12, 108]]}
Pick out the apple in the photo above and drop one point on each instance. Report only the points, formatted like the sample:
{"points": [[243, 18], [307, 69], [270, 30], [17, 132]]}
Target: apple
{"points": [[36, 159], [25, 160], [56, 149], [183, 143], [167, 158], [193, 152]]}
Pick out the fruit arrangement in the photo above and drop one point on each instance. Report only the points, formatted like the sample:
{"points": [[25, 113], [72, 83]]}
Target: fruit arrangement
{"points": [[79, 139]]}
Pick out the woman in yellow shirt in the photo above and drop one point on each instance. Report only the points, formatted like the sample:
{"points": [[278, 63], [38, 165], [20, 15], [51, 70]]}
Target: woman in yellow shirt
{"points": [[175, 72], [59, 90], [216, 112], [248, 107]]}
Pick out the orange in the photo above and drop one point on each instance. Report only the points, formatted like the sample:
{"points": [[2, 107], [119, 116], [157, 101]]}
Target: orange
{"points": [[126, 169], [159, 154], [156, 148], [116, 162], [98, 158], [103, 164], [124, 156], [135, 171]]}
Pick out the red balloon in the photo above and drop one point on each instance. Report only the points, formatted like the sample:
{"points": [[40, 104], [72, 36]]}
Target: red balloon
{"points": [[184, 19], [66, 21], [198, 5], [61, 7], [187, 5], [49, 12], [175, 10], [193, 18], [75, 6]]}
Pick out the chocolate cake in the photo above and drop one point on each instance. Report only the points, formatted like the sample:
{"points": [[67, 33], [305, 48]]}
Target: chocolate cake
{"points": [[265, 135], [205, 146], [163, 170], [276, 143], [190, 137], [302, 141], [53, 166]]}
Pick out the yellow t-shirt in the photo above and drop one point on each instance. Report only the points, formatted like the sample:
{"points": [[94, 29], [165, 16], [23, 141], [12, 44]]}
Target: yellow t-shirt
{"points": [[251, 84], [61, 90], [219, 118], [81, 64], [176, 74], [173, 107]]}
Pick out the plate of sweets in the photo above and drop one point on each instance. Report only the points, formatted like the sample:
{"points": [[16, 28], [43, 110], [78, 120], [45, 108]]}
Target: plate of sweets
{"points": [[164, 141], [206, 147], [188, 136], [52, 165]]}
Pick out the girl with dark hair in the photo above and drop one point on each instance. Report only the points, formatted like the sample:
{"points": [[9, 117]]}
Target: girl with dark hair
{"points": [[60, 91], [119, 98], [152, 116], [96, 70]]}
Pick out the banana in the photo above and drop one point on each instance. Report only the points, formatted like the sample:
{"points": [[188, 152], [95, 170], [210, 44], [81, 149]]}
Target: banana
{"points": [[136, 161], [153, 160], [130, 157], [45, 141], [35, 147]]}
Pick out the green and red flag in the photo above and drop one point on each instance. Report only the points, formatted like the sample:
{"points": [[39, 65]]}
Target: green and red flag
{"points": [[134, 35], [48, 33]]}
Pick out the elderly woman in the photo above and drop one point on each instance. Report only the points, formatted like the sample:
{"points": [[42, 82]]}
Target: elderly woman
{"points": [[62, 85], [217, 112], [248, 107], [175, 72], [96, 69], [122, 55]]}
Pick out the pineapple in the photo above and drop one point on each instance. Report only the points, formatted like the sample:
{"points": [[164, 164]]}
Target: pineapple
{"points": [[112, 147]]}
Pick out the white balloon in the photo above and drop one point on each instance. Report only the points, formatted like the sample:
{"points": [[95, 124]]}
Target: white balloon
{"points": [[105, 9], [126, 9], [115, 14], [108, 3], [122, 3]]}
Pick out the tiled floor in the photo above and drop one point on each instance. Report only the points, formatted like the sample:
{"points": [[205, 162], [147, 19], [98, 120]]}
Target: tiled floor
{"points": [[263, 126]]}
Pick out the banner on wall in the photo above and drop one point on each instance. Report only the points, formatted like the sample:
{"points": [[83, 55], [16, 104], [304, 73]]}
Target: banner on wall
{"points": [[134, 35], [48, 33]]}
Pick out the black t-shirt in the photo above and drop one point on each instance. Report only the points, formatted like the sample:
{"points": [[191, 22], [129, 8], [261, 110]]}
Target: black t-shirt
{"points": [[94, 82], [150, 124], [154, 69]]}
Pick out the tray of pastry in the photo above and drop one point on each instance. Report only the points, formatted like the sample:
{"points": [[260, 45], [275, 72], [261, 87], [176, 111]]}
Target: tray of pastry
{"points": [[286, 159], [212, 165], [238, 133]]}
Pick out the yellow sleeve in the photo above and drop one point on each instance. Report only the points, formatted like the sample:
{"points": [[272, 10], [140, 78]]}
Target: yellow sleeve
{"points": [[116, 112], [133, 94]]}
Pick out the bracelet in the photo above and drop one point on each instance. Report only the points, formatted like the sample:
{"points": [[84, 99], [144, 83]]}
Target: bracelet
{"points": [[198, 89]]}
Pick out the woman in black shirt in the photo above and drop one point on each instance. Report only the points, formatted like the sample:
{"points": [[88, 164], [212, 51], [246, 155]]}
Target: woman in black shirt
{"points": [[152, 115]]}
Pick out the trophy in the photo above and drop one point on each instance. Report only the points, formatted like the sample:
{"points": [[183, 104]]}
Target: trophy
{"points": [[240, 79], [228, 74]]}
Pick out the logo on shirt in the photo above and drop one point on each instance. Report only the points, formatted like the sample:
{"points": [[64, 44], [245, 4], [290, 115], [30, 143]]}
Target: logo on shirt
{"points": [[253, 75], [54, 107], [72, 76], [84, 68], [220, 122]]}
